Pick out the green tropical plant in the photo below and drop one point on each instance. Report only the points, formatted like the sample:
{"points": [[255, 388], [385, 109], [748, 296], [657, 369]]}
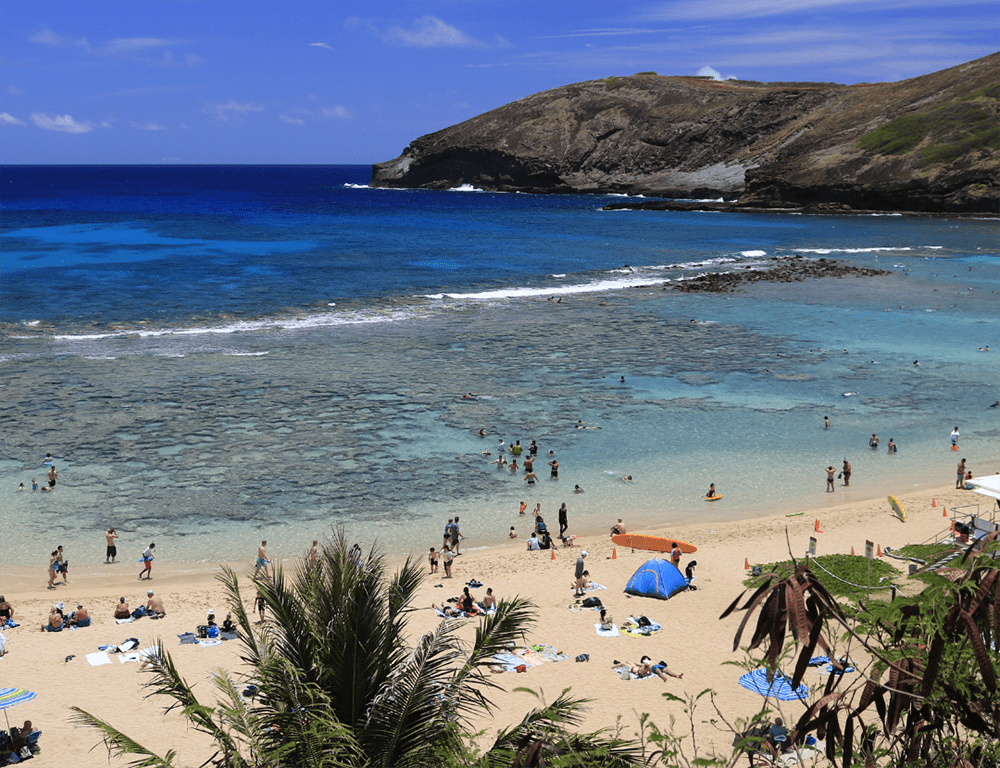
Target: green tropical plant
{"points": [[337, 684]]}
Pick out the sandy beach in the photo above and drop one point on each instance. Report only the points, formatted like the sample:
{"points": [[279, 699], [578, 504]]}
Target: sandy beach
{"points": [[693, 641]]}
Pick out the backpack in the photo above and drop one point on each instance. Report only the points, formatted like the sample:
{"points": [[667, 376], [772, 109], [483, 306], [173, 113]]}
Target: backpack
{"points": [[643, 621], [212, 631], [591, 602]]}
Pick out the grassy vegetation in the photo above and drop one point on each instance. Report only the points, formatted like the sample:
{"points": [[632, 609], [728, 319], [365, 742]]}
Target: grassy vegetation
{"points": [[947, 132], [613, 83], [850, 569], [637, 74], [926, 552]]}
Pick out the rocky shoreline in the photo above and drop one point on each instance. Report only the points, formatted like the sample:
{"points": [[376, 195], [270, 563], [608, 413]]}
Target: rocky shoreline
{"points": [[826, 209], [793, 269]]}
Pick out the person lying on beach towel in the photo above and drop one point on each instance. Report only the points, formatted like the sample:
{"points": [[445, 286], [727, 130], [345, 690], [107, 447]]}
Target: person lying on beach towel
{"points": [[640, 626], [448, 612]]}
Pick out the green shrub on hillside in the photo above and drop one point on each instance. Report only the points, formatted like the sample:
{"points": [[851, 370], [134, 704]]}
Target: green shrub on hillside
{"points": [[852, 569]]}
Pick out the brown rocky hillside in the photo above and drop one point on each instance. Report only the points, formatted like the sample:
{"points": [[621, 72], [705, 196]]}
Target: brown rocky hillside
{"points": [[929, 144]]}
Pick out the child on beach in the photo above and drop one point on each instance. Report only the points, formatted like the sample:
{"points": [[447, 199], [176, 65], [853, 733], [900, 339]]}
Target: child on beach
{"points": [[432, 558], [448, 556], [259, 605]]}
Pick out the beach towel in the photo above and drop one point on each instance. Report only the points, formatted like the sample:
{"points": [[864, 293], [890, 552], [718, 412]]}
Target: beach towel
{"points": [[592, 587], [209, 643], [444, 615], [98, 658], [138, 656], [129, 620], [613, 632], [637, 631], [234, 635], [509, 661]]}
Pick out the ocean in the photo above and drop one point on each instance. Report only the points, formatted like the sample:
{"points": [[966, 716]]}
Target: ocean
{"points": [[216, 355]]}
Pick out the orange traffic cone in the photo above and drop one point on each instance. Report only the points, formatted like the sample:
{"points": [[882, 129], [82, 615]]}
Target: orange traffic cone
{"points": [[817, 527], [944, 511], [553, 554], [852, 552], [746, 564], [614, 553], [933, 502], [880, 550]]}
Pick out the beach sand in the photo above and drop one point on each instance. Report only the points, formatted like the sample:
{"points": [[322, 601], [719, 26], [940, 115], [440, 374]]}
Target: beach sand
{"points": [[693, 641]]}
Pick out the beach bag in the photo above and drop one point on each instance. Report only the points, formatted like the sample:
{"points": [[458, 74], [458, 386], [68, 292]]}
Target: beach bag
{"points": [[139, 612], [591, 602], [202, 630], [643, 621], [213, 631]]}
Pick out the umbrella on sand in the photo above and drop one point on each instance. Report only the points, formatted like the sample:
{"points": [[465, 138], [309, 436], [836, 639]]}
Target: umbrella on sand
{"points": [[780, 687], [11, 697]]}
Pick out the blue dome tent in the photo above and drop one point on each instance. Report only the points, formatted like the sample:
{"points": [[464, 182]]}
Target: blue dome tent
{"points": [[656, 578]]}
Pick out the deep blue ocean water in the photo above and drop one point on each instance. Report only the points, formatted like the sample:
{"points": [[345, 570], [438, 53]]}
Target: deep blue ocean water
{"points": [[215, 352]]}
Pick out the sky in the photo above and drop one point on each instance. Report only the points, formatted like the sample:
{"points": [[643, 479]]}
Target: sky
{"points": [[343, 81]]}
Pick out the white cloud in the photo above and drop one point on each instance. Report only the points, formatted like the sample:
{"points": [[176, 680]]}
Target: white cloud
{"points": [[291, 120], [10, 119], [122, 47], [428, 32], [146, 126], [131, 44], [340, 113], [231, 108], [61, 123], [322, 45]]}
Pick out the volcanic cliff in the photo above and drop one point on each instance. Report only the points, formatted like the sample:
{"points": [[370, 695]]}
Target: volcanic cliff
{"points": [[928, 144]]}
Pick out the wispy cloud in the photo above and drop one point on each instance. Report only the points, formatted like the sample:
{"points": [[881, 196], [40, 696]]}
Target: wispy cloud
{"points": [[231, 108], [291, 120], [338, 113], [61, 123], [8, 119], [322, 45], [13, 90], [123, 47], [146, 126], [428, 32]]}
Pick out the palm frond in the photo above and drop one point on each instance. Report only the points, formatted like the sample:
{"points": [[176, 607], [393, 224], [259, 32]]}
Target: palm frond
{"points": [[118, 744]]}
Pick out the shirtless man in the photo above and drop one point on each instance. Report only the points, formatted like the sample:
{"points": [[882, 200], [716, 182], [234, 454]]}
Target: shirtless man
{"points": [[154, 606], [112, 551], [262, 560], [618, 528], [52, 476], [80, 617], [960, 479], [830, 472], [122, 610], [314, 551], [846, 472], [873, 442]]}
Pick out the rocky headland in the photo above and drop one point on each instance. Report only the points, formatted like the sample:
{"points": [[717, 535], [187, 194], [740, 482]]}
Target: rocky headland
{"points": [[928, 145], [781, 270]]}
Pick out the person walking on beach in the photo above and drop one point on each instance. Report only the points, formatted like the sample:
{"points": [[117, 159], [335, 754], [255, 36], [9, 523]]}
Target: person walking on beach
{"points": [[447, 555], [563, 519], [846, 473], [53, 568], [960, 480], [578, 573], [456, 535], [112, 551], [262, 560], [830, 472], [147, 561], [447, 533], [63, 564]]}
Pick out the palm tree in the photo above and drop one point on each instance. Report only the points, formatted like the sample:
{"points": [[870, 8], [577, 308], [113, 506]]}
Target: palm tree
{"points": [[337, 685]]}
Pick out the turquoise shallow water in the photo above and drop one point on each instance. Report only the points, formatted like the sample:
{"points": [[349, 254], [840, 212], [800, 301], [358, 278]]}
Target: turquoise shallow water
{"points": [[202, 392]]}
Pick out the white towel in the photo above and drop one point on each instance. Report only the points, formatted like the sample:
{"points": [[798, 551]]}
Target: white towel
{"points": [[129, 620], [209, 643], [99, 658], [613, 632]]}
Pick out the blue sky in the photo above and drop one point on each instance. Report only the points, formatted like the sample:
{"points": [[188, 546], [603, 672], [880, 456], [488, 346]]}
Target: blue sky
{"points": [[323, 81]]}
